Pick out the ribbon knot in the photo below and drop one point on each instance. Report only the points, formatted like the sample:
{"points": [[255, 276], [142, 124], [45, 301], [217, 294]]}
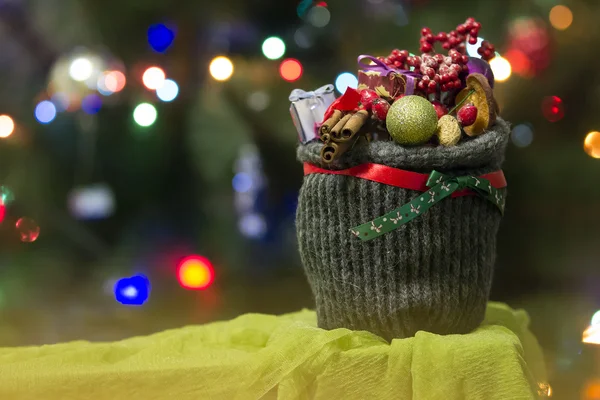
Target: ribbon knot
{"points": [[440, 186], [299, 94]]}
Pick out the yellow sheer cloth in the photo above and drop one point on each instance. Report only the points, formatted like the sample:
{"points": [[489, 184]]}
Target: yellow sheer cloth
{"points": [[284, 357]]}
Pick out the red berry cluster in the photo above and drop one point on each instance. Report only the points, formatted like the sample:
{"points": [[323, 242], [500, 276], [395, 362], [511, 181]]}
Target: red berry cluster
{"points": [[439, 71], [487, 51]]}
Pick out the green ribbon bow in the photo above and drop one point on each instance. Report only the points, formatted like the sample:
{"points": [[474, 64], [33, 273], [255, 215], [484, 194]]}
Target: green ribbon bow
{"points": [[441, 186]]}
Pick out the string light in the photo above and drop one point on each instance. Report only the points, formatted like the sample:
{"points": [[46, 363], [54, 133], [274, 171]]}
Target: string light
{"points": [[81, 69], [154, 78], [291, 70], [45, 112], [195, 272], [561, 17], [501, 68], [144, 114], [132, 291], [346, 80], [591, 146], [273, 48], [7, 126], [169, 91]]}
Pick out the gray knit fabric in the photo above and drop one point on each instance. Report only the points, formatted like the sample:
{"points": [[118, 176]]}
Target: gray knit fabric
{"points": [[432, 274]]}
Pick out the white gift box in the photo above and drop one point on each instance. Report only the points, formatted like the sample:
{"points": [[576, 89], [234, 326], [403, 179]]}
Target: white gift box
{"points": [[308, 110]]}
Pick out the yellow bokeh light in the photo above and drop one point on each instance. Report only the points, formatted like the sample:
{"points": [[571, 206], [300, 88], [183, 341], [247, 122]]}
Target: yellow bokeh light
{"points": [[154, 78], [501, 68], [561, 17], [7, 126], [221, 68], [592, 390], [591, 335], [591, 144]]}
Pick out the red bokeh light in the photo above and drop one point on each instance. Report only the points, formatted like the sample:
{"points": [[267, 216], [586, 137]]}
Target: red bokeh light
{"points": [[290, 70], [2, 212], [195, 272], [519, 62], [553, 109]]}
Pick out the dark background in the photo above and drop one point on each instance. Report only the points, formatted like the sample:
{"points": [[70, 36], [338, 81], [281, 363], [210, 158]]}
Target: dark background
{"points": [[172, 181]]}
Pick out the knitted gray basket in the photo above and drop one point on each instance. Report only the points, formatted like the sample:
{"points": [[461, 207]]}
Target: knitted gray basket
{"points": [[433, 273]]}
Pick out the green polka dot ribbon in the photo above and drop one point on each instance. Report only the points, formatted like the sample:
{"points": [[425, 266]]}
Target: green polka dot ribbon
{"points": [[441, 186]]}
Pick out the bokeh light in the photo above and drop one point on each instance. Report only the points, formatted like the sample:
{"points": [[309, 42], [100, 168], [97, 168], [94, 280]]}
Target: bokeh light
{"points": [[91, 104], [591, 145], [2, 212], [92, 202], [591, 335], [133, 291], [501, 68], [596, 317], [561, 17], [7, 126], [195, 272], [522, 135], [144, 114], [472, 48], [153, 78], [160, 37], [346, 80], [591, 390], [303, 37], [253, 225], [45, 112], [81, 69], [221, 68], [61, 101], [111, 82], [168, 91], [291, 70], [258, 101], [519, 62], [6, 195], [552, 108], [242, 182], [273, 48], [318, 16], [27, 229]]}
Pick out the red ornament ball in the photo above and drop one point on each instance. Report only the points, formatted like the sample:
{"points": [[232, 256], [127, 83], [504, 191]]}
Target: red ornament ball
{"points": [[380, 109], [367, 96], [467, 115], [440, 109]]}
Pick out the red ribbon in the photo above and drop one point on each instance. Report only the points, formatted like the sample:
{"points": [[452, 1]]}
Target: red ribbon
{"points": [[399, 177], [346, 102]]}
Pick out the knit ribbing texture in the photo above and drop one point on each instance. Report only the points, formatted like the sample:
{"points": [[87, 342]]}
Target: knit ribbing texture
{"points": [[432, 274]]}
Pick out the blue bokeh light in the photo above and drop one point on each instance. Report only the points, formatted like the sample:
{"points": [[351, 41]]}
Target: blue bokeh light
{"points": [[160, 37], [346, 80], [242, 182], [91, 104], [133, 291], [45, 112]]}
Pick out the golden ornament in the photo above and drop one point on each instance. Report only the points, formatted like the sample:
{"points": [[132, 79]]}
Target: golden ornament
{"points": [[411, 120], [448, 131]]}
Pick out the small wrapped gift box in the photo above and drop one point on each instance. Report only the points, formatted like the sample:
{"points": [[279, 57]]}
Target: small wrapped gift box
{"points": [[389, 83], [308, 110]]}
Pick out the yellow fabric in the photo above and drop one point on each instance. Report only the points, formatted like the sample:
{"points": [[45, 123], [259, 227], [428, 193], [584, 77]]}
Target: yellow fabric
{"points": [[283, 357]]}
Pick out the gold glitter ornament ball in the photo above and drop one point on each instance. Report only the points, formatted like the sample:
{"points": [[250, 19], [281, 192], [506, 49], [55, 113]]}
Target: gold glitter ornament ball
{"points": [[411, 120]]}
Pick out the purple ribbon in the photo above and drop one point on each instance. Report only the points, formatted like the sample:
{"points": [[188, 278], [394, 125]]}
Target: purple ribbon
{"points": [[379, 66]]}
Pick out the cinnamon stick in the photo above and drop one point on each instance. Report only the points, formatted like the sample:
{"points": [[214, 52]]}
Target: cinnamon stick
{"points": [[336, 132], [330, 123], [354, 124], [329, 152]]}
